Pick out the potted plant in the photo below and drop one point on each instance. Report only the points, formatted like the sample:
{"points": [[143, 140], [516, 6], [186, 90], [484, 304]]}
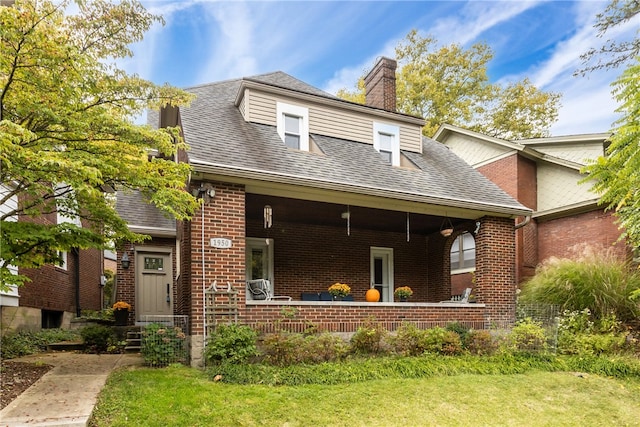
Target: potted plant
{"points": [[403, 293], [121, 311], [339, 291]]}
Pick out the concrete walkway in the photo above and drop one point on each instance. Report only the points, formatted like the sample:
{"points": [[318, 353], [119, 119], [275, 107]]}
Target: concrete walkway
{"points": [[66, 395]]}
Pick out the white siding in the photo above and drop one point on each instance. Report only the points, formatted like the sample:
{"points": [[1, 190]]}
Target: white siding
{"points": [[474, 151], [558, 187], [578, 153], [323, 120]]}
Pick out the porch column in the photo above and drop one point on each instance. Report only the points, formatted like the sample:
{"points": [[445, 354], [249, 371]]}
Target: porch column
{"points": [[224, 217], [495, 270]]}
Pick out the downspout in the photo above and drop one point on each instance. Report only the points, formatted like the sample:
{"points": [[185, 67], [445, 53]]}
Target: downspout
{"points": [[526, 221], [204, 285], [76, 252]]}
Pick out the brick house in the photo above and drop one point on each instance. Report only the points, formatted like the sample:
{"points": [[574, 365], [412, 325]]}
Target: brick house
{"points": [[305, 189], [544, 175], [55, 294]]}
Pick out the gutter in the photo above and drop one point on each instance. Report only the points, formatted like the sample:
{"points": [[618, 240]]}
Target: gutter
{"points": [[526, 221]]}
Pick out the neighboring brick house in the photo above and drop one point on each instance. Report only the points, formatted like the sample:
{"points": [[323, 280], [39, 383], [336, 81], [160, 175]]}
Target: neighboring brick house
{"points": [[544, 175], [305, 189], [55, 294]]}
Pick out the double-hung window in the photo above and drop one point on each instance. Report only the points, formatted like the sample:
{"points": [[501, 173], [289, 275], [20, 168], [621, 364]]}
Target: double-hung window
{"points": [[293, 125], [386, 141], [292, 131]]}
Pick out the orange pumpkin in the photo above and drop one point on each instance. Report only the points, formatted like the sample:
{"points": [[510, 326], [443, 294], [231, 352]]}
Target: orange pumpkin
{"points": [[372, 295]]}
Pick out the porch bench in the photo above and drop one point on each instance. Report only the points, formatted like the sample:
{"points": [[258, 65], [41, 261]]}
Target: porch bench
{"points": [[321, 296]]}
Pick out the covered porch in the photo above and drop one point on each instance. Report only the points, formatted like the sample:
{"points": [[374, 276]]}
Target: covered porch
{"points": [[302, 246]]}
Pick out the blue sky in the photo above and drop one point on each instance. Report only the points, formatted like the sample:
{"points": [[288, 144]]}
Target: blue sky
{"points": [[329, 44]]}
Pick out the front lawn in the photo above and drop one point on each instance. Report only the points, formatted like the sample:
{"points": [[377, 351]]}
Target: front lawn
{"points": [[181, 396]]}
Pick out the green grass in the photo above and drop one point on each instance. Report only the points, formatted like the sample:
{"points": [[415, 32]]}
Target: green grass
{"points": [[180, 396]]}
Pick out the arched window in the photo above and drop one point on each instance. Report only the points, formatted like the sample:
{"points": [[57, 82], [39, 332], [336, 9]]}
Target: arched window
{"points": [[463, 253]]}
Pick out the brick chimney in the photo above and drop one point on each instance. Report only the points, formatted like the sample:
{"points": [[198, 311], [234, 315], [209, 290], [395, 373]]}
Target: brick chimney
{"points": [[380, 85]]}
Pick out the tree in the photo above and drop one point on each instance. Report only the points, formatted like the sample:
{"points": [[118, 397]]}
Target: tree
{"points": [[449, 84], [613, 54], [67, 132], [616, 176]]}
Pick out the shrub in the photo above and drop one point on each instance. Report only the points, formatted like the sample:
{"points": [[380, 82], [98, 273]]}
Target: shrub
{"points": [[163, 345], [282, 348], [579, 334], [231, 343], [459, 328], [324, 347], [369, 338], [527, 336], [480, 342], [442, 341], [98, 338], [30, 342], [595, 280], [408, 340]]}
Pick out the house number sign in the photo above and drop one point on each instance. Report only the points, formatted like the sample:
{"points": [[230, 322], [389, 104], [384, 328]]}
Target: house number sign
{"points": [[220, 243]]}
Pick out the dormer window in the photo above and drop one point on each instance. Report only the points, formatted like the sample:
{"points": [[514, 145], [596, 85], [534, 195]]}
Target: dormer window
{"points": [[293, 125], [292, 131], [386, 141]]}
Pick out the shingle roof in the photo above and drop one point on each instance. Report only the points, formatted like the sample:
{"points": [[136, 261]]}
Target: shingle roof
{"points": [[218, 135], [137, 212]]}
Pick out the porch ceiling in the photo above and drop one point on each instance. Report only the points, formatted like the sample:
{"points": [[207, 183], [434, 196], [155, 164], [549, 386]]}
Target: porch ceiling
{"points": [[330, 214]]}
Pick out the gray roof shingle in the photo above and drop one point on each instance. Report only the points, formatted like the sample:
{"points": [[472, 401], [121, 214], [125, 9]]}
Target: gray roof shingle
{"points": [[218, 134]]}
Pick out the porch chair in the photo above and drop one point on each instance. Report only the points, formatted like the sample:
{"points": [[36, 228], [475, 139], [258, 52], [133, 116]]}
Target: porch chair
{"points": [[260, 289], [462, 299]]}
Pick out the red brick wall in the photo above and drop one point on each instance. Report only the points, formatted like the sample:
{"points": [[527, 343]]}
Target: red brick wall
{"points": [[53, 288], [347, 317], [516, 175], [459, 282], [557, 237], [223, 217], [495, 269], [310, 258], [504, 173]]}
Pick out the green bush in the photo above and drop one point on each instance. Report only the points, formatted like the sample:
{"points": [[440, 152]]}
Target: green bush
{"points": [[283, 348], [442, 341], [408, 340], [460, 329], [369, 338], [163, 345], [480, 342], [231, 343], [595, 280], [324, 347], [527, 336], [98, 338], [30, 342], [579, 334]]}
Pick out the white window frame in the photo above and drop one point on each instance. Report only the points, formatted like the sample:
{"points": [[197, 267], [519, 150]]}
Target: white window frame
{"points": [[394, 132], [63, 255], [282, 109], [386, 255], [266, 245], [459, 241], [11, 296]]}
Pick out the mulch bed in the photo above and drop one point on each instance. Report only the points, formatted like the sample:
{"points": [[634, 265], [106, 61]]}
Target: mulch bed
{"points": [[17, 377]]}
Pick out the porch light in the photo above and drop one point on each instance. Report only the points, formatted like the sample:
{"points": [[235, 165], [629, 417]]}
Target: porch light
{"points": [[125, 261], [268, 216], [446, 228], [347, 215]]}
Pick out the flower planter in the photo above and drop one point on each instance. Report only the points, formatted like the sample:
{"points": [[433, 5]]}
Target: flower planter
{"points": [[122, 317]]}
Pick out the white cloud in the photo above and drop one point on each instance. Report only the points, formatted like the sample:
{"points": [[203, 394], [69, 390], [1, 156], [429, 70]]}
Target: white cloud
{"points": [[475, 18]]}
